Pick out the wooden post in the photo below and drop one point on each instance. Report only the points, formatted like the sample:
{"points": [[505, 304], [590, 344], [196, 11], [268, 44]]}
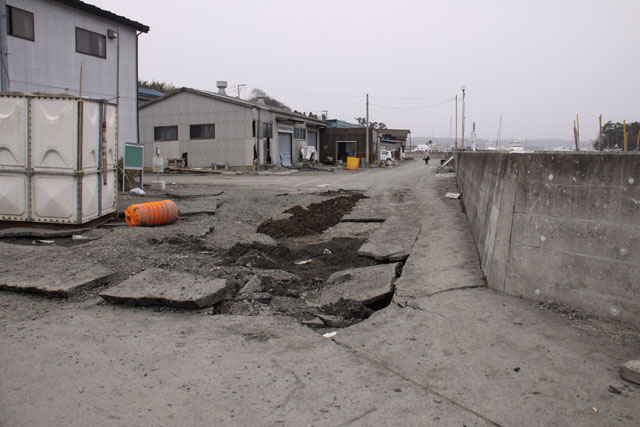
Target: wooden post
{"points": [[80, 91], [625, 135]]}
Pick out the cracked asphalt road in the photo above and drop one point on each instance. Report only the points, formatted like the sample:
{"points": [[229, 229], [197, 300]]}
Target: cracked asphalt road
{"points": [[447, 351]]}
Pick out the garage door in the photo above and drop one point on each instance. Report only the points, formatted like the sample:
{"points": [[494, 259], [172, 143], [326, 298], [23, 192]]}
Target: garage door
{"points": [[284, 149]]}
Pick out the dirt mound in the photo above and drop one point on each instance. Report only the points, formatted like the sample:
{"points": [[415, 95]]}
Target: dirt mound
{"points": [[315, 261], [312, 219]]}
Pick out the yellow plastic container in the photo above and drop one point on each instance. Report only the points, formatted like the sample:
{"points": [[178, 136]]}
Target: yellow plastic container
{"points": [[353, 163]]}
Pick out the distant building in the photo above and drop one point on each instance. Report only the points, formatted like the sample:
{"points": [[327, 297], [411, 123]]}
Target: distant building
{"points": [[207, 128], [393, 139], [145, 95], [50, 41], [335, 123], [342, 139]]}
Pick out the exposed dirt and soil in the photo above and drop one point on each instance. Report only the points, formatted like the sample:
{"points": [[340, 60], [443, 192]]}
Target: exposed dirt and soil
{"points": [[309, 265], [312, 219], [269, 247], [315, 261]]}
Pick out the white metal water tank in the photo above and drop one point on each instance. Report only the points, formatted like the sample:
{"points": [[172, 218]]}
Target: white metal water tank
{"points": [[57, 161]]}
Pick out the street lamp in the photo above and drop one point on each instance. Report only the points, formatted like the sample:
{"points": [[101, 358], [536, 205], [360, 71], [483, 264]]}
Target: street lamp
{"points": [[464, 88]]}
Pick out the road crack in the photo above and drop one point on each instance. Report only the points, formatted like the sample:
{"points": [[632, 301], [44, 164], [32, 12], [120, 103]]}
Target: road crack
{"points": [[425, 387]]}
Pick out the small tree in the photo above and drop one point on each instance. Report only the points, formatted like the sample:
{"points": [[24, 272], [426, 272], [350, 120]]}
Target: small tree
{"points": [[613, 136], [272, 102], [362, 121], [163, 87]]}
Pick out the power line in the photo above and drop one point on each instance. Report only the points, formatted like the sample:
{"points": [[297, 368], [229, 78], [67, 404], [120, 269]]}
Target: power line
{"points": [[413, 108], [306, 92], [340, 94], [402, 97]]}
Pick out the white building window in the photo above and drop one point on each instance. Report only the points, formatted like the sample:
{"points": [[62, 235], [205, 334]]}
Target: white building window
{"points": [[207, 131], [299, 133], [20, 23], [91, 43], [165, 133]]}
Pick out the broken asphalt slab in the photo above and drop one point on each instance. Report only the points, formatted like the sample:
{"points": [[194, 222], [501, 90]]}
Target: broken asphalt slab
{"points": [[365, 285], [630, 371], [41, 233], [392, 241], [444, 256], [156, 286], [50, 276]]}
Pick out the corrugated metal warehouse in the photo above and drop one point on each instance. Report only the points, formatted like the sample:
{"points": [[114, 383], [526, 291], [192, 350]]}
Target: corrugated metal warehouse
{"points": [[207, 128], [59, 47]]}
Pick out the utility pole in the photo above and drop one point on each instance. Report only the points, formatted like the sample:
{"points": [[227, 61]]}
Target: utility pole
{"points": [[600, 135], [499, 134], [366, 162], [240, 87], [462, 144], [4, 65], [577, 132], [455, 146], [473, 137], [625, 134]]}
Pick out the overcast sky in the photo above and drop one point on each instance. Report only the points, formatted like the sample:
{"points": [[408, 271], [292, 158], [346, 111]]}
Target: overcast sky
{"points": [[538, 63]]}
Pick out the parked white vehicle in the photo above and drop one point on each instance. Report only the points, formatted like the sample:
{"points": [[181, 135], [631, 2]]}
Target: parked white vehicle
{"points": [[385, 155]]}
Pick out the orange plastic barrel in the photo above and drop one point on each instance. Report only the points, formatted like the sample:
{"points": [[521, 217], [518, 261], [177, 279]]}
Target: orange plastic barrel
{"points": [[151, 214]]}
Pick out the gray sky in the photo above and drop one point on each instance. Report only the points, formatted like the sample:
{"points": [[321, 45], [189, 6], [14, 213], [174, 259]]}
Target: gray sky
{"points": [[539, 63]]}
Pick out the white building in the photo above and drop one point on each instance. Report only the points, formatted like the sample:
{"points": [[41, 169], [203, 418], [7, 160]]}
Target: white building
{"points": [[210, 128], [49, 42]]}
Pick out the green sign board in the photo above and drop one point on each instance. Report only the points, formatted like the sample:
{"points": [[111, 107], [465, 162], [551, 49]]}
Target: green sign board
{"points": [[133, 156]]}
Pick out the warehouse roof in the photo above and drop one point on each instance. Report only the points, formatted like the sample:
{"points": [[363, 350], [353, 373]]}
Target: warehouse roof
{"points": [[238, 101], [95, 10]]}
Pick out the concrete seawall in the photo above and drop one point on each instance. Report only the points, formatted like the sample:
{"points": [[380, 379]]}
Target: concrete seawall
{"points": [[561, 227]]}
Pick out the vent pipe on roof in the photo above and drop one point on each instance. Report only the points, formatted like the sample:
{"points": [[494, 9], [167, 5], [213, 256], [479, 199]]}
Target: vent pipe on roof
{"points": [[222, 85], [260, 95]]}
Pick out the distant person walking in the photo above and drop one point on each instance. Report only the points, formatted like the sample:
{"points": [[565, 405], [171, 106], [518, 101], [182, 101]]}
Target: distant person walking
{"points": [[426, 158]]}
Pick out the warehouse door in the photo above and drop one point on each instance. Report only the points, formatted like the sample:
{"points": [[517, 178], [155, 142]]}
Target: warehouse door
{"points": [[284, 149], [346, 149], [312, 139]]}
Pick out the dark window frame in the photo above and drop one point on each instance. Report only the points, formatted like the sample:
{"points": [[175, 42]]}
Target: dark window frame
{"points": [[91, 34], [202, 125], [267, 130], [10, 23], [299, 131], [155, 135]]}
